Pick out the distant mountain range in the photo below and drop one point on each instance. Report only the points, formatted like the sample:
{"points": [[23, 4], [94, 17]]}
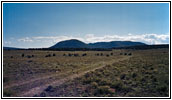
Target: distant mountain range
{"points": [[10, 48], [73, 43]]}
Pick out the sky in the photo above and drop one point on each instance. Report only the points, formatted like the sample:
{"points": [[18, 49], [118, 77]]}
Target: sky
{"points": [[37, 25]]}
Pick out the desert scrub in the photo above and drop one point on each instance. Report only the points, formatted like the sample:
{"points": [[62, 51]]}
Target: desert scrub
{"points": [[23, 55], [8, 93], [6, 79], [94, 84], [103, 90], [118, 85]]}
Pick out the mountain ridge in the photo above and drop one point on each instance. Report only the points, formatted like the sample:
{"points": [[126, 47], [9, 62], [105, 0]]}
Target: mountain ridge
{"points": [[74, 43]]}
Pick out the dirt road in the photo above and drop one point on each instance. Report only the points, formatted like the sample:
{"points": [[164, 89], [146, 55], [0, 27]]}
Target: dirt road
{"points": [[36, 86]]}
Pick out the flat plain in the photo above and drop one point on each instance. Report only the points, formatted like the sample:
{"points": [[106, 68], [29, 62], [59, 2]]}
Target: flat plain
{"points": [[116, 73]]}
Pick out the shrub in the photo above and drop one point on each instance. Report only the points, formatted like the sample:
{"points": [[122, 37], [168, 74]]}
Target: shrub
{"points": [[54, 54], [69, 55], [125, 53], [7, 93], [76, 55], [154, 79], [28, 56], [94, 84], [134, 75], [104, 82], [49, 55], [23, 55], [122, 76], [97, 54], [84, 54], [43, 94], [151, 68], [117, 85], [49, 89], [107, 55], [130, 54], [162, 88], [111, 53], [104, 90], [87, 80], [5, 79], [101, 54], [30, 61]]}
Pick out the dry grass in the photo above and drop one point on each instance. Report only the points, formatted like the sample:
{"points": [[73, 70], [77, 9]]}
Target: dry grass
{"points": [[144, 74], [30, 69]]}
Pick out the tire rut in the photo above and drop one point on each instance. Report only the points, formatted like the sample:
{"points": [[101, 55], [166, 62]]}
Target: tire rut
{"points": [[39, 89]]}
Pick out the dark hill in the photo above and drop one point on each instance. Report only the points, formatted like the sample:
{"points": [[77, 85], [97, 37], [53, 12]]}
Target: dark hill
{"points": [[113, 44], [73, 43], [11, 48]]}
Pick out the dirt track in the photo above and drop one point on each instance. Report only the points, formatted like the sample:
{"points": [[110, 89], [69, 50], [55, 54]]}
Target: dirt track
{"points": [[36, 86]]}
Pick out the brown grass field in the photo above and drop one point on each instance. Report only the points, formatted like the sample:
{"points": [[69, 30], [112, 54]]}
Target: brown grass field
{"points": [[116, 73]]}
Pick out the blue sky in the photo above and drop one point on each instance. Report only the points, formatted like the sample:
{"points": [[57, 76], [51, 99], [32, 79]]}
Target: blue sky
{"points": [[28, 25]]}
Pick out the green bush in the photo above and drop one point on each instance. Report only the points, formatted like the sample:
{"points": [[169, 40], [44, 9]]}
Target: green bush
{"points": [[134, 75], [162, 88], [94, 84], [104, 90], [54, 54], [122, 76], [23, 55], [7, 93], [117, 85]]}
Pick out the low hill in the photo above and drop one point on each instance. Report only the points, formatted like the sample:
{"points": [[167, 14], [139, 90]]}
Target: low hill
{"points": [[10, 48], [113, 44], [73, 43]]}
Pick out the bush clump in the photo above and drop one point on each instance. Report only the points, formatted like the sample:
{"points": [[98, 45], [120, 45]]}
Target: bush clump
{"points": [[162, 88], [122, 76], [101, 54], [104, 90], [7, 93], [130, 54], [29, 56], [134, 75], [54, 54], [23, 55], [84, 54], [49, 55], [94, 84], [117, 85]]}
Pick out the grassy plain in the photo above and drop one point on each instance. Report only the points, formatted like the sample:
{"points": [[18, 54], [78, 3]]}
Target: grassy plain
{"points": [[139, 74]]}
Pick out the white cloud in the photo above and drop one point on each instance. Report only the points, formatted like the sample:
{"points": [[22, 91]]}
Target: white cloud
{"points": [[7, 42], [91, 38], [146, 38], [26, 39]]}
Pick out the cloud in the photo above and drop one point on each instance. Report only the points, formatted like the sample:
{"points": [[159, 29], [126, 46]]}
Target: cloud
{"points": [[91, 38], [146, 38], [54, 39], [26, 39], [7, 42]]}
